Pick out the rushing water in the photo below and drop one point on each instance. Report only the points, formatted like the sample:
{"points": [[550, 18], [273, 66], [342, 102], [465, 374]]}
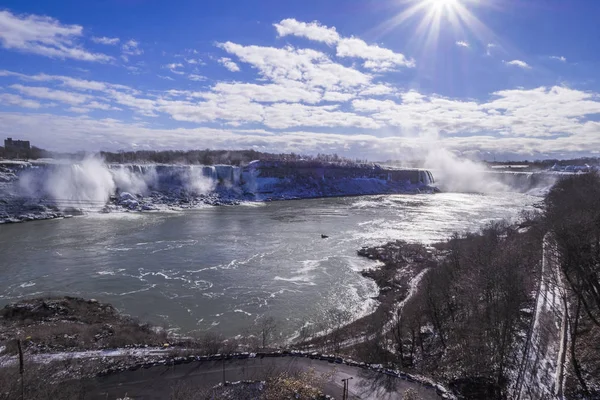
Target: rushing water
{"points": [[221, 267]]}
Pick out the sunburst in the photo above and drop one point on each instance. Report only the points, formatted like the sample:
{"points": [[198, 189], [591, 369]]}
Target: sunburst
{"points": [[431, 14]]}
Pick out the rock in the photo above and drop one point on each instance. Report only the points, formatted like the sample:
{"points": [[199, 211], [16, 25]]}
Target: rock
{"points": [[126, 196], [73, 211]]}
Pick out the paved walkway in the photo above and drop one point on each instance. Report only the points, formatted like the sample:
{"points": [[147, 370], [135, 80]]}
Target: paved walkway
{"points": [[157, 382]]}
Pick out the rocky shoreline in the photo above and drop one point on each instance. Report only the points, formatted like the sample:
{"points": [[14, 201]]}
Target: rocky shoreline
{"points": [[400, 264], [51, 189]]}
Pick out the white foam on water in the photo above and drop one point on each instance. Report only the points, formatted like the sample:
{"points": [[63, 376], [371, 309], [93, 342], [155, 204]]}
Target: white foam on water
{"points": [[282, 291], [310, 265], [202, 285], [119, 248], [136, 291], [297, 280], [252, 204], [122, 215]]}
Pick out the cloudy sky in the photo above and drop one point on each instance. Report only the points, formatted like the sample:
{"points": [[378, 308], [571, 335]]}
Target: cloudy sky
{"points": [[377, 79]]}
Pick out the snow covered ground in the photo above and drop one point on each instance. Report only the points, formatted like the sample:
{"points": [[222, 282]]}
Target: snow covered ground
{"points": [[542, 373], [45, 358]]}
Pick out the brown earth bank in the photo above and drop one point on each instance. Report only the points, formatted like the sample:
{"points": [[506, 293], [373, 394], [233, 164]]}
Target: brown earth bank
{"points": [[70, 324]]}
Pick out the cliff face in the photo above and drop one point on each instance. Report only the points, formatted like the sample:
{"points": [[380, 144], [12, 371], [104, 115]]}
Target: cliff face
{"points": [[298, 180], [45, 189]]}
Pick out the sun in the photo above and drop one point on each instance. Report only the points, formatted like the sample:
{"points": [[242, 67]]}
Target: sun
{"points": [[433, 16], [442, 3]]}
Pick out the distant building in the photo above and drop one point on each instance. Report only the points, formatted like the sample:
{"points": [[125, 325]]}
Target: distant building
{"points": [[10, 144]]}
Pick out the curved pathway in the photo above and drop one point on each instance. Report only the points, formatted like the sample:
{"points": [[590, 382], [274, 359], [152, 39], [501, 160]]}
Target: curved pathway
{"points": [[157, 382]]}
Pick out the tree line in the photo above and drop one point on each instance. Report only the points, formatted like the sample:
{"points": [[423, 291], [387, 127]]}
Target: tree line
{"points": [[572, 214], [198, 157]]}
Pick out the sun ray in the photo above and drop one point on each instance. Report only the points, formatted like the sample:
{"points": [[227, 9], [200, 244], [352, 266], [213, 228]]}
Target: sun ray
{"points": [[431, 14]]}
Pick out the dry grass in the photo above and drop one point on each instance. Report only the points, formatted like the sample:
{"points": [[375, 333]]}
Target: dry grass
{"points": [[41, 382], [58, 324]]}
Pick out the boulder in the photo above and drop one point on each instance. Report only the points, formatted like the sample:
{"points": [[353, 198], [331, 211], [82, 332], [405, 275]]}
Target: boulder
{"points": [[125, 196]]}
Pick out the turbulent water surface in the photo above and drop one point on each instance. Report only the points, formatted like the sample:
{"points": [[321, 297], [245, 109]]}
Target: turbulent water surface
{"points": [[221, 267]]}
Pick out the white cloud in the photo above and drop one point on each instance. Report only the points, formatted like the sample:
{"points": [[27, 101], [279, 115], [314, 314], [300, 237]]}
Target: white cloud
{"points": [[542, 116], [50, 94], [142, 106], [313, 31], [289, 92], [196, 77], [376, 58], [173, 67], [289, 115], [462, 43], [16, 100], [44, 36], [230, 65], [80, 84], [559, 58], [105, 40], [101, 106], [337, 97], [232, 109], [194, 61], [303, 89], [518, 63], [68, 133], [311, 67], [377, 90], [534, 113], [78, 110], [131, 48]]}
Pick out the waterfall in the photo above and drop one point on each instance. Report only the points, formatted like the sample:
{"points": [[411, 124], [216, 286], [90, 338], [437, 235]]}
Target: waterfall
{"points": [[87, 184]]}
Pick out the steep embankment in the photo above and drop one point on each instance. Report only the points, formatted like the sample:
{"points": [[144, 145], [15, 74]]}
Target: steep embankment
{"points": [[44, 190]]}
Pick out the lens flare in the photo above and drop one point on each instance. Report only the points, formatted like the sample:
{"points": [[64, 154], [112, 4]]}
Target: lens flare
{"points": [[430, 16]]}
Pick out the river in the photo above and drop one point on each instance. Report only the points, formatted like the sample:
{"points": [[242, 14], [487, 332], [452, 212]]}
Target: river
{"points": [[219, 268]]}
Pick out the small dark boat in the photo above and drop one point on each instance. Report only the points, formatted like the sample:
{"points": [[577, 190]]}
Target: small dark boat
{"points": [[324, 236]]}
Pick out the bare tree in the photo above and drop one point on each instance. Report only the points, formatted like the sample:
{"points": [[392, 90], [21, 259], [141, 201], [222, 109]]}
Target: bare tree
{"points": [[336, 319], [267, 328]]}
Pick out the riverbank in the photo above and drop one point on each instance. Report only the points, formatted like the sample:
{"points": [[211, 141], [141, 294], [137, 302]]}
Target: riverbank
{"points": [[401, 267], [61, 324]]}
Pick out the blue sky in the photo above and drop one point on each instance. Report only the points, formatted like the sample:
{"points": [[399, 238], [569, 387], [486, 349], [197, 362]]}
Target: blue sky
{"points": [[385, 79]]}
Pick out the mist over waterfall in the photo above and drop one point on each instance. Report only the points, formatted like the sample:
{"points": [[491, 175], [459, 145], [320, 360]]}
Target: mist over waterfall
{"points": [[461, 175], [454, 174], [197, 182], [86, 184], [134, 179], [90, 183]]}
